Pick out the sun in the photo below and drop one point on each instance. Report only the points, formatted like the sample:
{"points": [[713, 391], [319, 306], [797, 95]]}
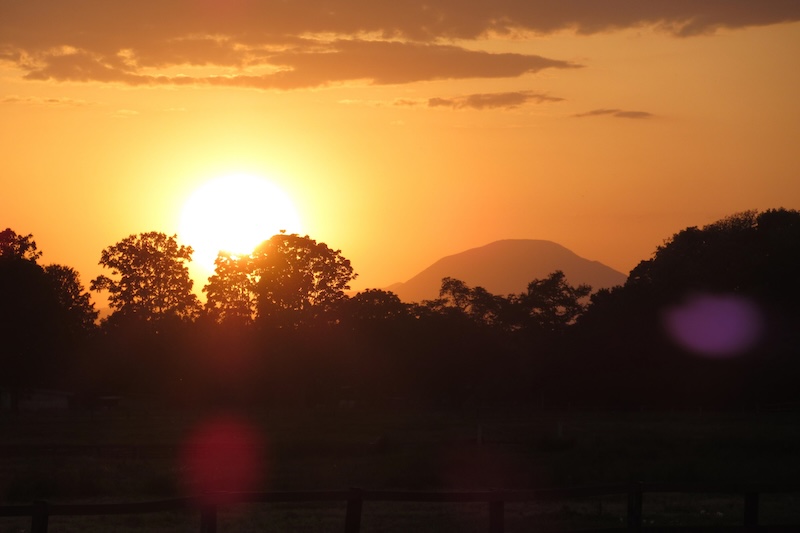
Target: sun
{"points": [[234, 213]]}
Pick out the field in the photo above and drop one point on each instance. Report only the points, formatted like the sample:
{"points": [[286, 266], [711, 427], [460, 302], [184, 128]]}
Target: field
{"points": [[138, 454]]}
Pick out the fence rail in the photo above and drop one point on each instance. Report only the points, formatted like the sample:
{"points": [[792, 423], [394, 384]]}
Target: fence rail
{"points": [[41, 511]]}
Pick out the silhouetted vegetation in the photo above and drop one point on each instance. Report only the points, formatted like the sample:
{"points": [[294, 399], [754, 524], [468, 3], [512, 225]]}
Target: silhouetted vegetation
{"points": [[278, 328], [287, 281], [734, 280], [154, 283], [46, 317]]}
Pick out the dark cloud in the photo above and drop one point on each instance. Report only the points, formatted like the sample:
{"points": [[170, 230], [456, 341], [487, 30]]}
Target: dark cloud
{"points": [[618, 113], [77, 66], [506, 100], [377, 62], [287, 44], [633, 114], [396, 62]]}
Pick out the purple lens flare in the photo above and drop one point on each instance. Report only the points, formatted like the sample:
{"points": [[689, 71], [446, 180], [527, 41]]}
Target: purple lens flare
{"points": [[716, 326]]}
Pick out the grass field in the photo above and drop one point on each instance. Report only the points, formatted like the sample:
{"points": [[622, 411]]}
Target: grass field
{"points": [[135, 455]]}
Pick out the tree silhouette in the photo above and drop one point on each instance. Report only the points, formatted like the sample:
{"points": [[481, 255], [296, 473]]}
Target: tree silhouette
{"points": [[489, 308], [298, 279], [154, 282], [551, 304], [44, 313], [455, 293], [475, 302], [73, 301], [28, 319], [231, 290], [744, 262], [14, 246], [750, 253], [374, 305]]}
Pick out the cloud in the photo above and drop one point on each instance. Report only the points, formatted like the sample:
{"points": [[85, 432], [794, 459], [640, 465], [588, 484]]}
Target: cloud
{"points": [[313, 65], [506, 100], [406, 102], [381, 62], [125, 113], [313, 43], [49, 101], [617, 113]]}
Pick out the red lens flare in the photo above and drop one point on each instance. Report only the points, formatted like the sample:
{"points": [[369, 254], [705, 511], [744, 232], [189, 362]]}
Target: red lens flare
{"points": [[223, 456]]}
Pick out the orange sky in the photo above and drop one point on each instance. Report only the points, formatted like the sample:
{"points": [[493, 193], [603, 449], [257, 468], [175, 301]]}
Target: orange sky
{"points": [[403, 131]]}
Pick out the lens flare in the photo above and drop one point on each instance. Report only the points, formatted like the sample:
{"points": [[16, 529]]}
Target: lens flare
{"points": [[223, 456], [717, 326]]}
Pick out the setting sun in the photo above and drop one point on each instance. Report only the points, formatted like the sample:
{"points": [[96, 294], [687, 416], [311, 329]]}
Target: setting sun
{"points": [[234, 213]]}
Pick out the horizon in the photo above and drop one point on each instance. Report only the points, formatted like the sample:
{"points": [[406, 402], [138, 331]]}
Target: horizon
{"points": [[98, 297], [399, 137]]}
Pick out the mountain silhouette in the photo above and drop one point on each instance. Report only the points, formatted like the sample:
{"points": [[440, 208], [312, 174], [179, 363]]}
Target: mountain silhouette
{"points": [[506, 267]]}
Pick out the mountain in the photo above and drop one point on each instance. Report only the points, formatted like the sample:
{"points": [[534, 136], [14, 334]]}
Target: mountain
{"points": [[506, 267]]}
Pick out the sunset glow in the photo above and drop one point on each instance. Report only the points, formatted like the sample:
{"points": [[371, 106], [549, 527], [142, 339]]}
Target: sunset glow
{"points": [[436, 129], [235, 213]]}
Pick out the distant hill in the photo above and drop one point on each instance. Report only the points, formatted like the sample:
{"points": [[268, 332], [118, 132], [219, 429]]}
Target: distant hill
{"points": [[506, 267]]}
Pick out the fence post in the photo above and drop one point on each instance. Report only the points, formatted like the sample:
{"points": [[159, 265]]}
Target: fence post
{"points": [[208, 518], [39, 517], [635, 507], [751, 509], [496, 516], [352, 519]]}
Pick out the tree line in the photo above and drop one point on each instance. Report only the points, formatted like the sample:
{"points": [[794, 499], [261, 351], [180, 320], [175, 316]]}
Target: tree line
{"points": [[279, 326]]}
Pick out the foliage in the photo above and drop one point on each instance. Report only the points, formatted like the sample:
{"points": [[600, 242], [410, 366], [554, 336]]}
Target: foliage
{"points": [[44, 313], [298, 279], [73, 301], [748, 252], [455, 293], [14, 246], [28, 320], [231, 290], [279, 328], [375, 304], [548, 305], [552, 303], [751, 258], [477, 303], [287, 280], [154, 281]]}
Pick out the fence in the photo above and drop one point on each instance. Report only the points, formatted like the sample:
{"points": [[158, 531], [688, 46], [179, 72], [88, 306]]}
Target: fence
{"points": [[41, 511]]}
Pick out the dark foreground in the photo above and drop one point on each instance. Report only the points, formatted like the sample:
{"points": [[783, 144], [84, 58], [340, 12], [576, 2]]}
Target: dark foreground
{"points": [[139, 454]]}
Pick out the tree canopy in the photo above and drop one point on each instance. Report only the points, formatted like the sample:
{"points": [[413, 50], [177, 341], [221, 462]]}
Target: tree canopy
{"points": [[73, 300], [153, 280], [710, 319], [373, 305], [14, 246], [300, 276], [44, 312], [755, 253], [288, 279], [725, 292], [552, 303], [230, 291]]}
